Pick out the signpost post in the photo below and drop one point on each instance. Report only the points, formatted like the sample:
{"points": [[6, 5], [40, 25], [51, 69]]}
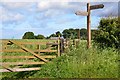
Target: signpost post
{"points": [[88, 26], [89, 8], [78, 34]]}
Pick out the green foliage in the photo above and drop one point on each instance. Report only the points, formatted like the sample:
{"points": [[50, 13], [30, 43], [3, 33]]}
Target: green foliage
{"points": [[83, 34], [52, 35], [67, 34], [28, 35], [70, 33], [77, 63], [39, 36], [57, 34], [82, 63], [108, 33], [94, 33]]}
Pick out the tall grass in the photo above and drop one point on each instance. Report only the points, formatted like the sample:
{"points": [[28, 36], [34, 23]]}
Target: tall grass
{"points": [[78, 63], [83, 63]]}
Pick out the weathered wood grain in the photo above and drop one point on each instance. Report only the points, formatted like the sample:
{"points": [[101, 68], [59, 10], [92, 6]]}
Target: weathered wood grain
{"points": [[28, 50], [22, 57], [20, 69]]}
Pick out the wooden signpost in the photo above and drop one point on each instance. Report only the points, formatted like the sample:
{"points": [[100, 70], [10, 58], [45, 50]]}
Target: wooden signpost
{"points": [[89, 8], [82, 13], [96, 6]]}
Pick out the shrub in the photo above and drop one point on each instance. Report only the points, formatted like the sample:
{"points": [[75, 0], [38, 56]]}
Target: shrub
{"points": [[108, 33]]}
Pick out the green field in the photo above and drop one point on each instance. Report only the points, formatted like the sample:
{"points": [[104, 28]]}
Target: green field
{"points": [[77, 62]]}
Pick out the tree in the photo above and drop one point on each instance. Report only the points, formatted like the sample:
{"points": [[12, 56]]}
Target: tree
{"points": [[94, 33], [55, 35], [66, 33], [28, 35], [52, 35], [70, 33], [39, 37], [109, 33], [58, 34], [73, 33], [83, 34]]}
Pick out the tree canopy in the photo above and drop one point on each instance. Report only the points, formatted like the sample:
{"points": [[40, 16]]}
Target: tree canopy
{"points": [[66, 33], [39, 36], [30, 35], [108, 33]]}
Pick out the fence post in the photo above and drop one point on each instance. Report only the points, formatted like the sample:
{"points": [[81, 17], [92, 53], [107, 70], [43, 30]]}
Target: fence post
{"points": [[38, 47], [61, 45], [58, 46]]}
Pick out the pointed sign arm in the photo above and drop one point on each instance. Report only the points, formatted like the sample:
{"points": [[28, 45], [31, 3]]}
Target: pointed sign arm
{"points": [[83, 13], [96, 6]]}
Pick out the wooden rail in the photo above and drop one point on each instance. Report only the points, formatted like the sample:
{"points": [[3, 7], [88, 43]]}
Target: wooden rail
{"points": [[42, 43], [22, 57], [28, 50], [22, 50], [21, 63], [19, 69], [13, 46]]}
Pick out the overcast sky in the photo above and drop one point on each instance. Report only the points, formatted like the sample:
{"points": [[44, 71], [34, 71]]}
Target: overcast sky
{"points": [[45, 17]]}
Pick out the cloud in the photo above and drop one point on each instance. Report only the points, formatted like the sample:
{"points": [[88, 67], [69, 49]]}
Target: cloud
{"points": [[46, 17], [18, 31], [16, 5], [8, 16], [11, 17], [110, 9], [60, 0], [53, 9], [46, 5], [43, 5], [15, 11]]}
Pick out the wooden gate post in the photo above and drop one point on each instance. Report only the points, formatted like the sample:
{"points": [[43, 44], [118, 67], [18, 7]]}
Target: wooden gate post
{"points": [[58, 46], [38, 47], [61, 45]]}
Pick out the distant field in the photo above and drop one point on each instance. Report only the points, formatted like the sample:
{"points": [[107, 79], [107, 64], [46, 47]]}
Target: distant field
{"points": [[29, 40]]}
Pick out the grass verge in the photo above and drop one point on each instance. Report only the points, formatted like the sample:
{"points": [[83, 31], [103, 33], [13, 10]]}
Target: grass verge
{"points": [[77, 63]]}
